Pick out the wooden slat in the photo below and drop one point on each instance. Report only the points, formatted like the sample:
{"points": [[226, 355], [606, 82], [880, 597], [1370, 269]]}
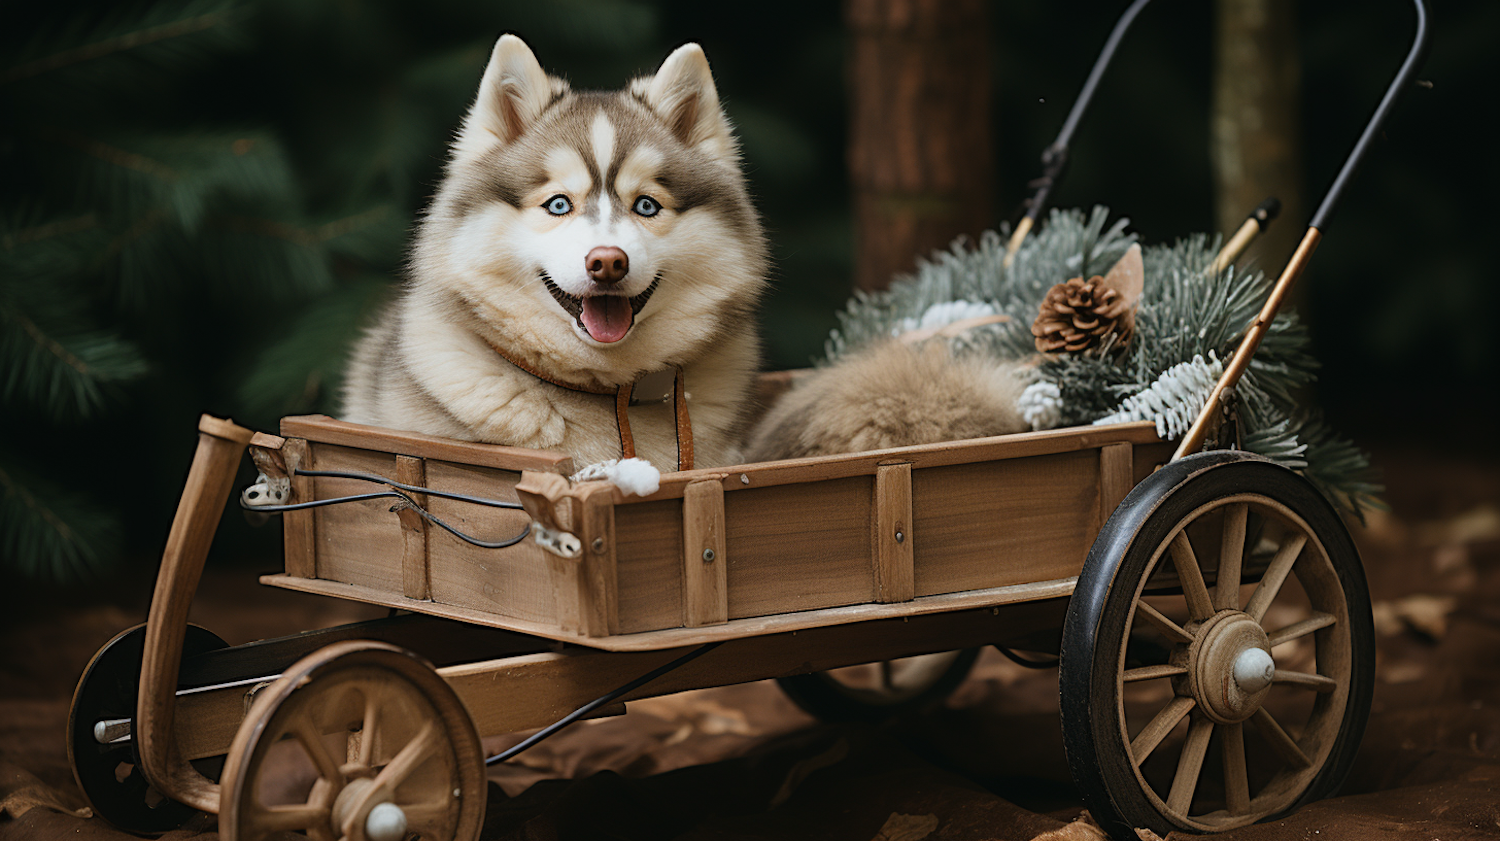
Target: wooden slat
{"points": [[893, 539], [299, 534], [414, 571], [648, 563], [677, 637], [357, 542], [323, 429], [598, 588], [705, 586], [821, 468], [1116, 477]]}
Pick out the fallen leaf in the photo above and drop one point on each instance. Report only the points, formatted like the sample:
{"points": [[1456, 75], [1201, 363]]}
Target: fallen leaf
{"points": [[1082, 828], [899, 827], [1425, 613]]}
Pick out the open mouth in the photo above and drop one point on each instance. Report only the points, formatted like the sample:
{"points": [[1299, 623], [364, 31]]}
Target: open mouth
{"points": [[605, 317]]}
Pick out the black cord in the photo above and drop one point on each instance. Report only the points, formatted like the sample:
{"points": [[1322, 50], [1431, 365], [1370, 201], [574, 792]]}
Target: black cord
{"points": [[1027, 663], [405, 502], [381, 480], [595, 704]]}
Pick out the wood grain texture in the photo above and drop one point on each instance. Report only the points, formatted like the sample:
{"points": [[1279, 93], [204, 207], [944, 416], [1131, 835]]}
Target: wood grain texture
{"points": [[676, 637], [357, 542], [326, 430], [299, 528], [799, 547], [1116, 478], [893, 536], [705, 584], [412, 471], [598, 593], [648, 560], [1000, 523]]}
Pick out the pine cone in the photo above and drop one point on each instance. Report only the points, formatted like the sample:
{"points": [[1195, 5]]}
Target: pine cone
{"points": [[1077, 316]]}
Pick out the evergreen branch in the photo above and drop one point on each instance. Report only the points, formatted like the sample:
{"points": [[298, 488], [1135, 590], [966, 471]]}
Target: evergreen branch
{"points": [[111, 154], [308, 236], [119, 43], [50, 532], [51, 230]]}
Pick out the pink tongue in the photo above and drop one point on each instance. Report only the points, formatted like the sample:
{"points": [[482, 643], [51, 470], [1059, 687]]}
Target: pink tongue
{"points": [[607, 317]]}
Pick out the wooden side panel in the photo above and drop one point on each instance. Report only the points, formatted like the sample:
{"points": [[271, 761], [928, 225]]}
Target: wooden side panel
{"points": [[1148, 457], [799, 547], [704, 556], [357, 542], [299, 535], [994, 524], [893, 536], [648, 563], [412, 471], [511, 581], [597, 592]]}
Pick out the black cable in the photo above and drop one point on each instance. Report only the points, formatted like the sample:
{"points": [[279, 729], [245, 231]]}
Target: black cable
{"points": [[406, 502], [381, 480], [595, 704], [1026, 663]]}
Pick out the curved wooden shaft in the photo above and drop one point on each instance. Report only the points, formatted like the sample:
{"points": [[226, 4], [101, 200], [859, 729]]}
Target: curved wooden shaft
{"points": [[221, 444]]}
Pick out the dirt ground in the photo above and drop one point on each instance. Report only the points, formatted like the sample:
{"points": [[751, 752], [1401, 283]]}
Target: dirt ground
{"points": [[742, 762]]}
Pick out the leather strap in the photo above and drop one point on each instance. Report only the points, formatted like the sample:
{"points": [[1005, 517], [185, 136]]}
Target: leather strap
{"points": [[680, 417]]}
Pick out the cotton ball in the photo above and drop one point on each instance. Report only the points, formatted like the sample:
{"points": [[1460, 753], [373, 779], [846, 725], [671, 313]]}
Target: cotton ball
{"points": [[632, 475]]}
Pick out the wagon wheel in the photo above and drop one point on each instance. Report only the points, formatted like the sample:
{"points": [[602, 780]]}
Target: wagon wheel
{"points": [[108, 772], [389, 748], [1261, 698], [876, 692]]}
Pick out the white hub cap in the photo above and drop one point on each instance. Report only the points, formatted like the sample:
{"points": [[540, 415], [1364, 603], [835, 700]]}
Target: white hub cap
{"points": [[1253, 670], [386, 822]]}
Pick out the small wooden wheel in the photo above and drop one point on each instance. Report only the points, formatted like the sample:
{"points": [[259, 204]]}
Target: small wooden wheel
{"points": [[390, 750], [100, 747], [1192, 699], [879, 691]]}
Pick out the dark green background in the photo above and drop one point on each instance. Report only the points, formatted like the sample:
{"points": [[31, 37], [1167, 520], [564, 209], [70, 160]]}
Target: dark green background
{"points": [[360, 97]]}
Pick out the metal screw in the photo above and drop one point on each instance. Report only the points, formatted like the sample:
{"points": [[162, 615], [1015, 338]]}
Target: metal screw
{"points": [[598, 544], [900, 537], [744, 479], [708, 556]]}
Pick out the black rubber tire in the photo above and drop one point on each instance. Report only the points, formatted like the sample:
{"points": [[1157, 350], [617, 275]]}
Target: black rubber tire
{"points": [[108, 690], [1094, 629], [822, 696]]}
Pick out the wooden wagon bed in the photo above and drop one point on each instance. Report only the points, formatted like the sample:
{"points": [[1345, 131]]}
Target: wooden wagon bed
{"points": [[714, 554]]}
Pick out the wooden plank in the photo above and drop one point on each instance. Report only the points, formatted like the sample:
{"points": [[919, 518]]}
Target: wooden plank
{"points": [[323, 429], [705, 581], [357, 542], [597, 592], [1116, 478], [299, 529], [823, 468], [677, 637], [528, 691], [894, 537], [799, 547], [648, 561], [1000, 523], [513, 581], [414, 579]]}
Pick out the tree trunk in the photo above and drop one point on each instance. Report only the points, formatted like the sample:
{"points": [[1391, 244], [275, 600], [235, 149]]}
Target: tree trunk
{"points": [[1257, 144], [920, 156]]}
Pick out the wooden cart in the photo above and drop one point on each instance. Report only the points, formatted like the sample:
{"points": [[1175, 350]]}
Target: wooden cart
{"points": [[1190, 594]]}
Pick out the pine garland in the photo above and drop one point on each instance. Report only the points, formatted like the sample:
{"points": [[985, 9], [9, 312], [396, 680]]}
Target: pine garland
{"points": [[1187, 323]]}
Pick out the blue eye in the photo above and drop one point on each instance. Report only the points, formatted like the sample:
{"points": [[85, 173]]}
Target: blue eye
{"points": [[646, 206], [558, 206]]}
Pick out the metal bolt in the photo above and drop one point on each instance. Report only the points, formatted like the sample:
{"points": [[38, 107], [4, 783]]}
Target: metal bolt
{"points": [[900, 537], [598, 544], [744, 479], [708, 556]]}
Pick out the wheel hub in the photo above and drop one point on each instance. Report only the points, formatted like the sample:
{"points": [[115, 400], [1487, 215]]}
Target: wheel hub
{"points": [[1230, 667]]}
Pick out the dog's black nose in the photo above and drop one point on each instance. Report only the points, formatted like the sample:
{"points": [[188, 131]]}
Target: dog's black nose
{"points": [[607, 264]]}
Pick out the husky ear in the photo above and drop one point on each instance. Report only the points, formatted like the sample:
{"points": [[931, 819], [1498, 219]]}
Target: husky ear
{"points": [[513, 92], [682, 93]]}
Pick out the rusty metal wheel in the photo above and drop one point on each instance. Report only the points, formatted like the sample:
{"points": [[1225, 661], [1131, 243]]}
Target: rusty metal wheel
{"points": [[359, 740], [1194, 696]]}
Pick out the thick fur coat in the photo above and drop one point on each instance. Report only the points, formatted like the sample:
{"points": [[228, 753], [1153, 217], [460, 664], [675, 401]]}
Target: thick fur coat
{"points": [[595, 237]]}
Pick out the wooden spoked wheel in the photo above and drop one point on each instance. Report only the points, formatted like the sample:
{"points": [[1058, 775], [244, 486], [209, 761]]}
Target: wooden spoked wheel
{"points": [[389, 750], [1194, 696], [879, 691]]}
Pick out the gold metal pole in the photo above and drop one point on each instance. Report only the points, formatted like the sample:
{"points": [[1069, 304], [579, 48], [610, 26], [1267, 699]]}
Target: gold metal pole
{"points": [[1236, 246], [1019, 236], [1193, 441]]}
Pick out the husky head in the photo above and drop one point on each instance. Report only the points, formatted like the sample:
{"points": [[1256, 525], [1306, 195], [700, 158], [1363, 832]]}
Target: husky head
{"points": [[600, 233]]}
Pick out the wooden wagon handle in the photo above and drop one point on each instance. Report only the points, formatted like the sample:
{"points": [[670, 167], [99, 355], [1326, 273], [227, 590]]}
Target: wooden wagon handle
{"points": [[221, 445]]}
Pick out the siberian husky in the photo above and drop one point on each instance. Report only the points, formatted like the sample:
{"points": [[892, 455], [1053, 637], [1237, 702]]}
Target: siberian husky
{"points": [[580, 243]]}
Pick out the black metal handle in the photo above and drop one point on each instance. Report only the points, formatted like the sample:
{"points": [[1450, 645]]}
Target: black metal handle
{"points": [[1402, 81]]}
